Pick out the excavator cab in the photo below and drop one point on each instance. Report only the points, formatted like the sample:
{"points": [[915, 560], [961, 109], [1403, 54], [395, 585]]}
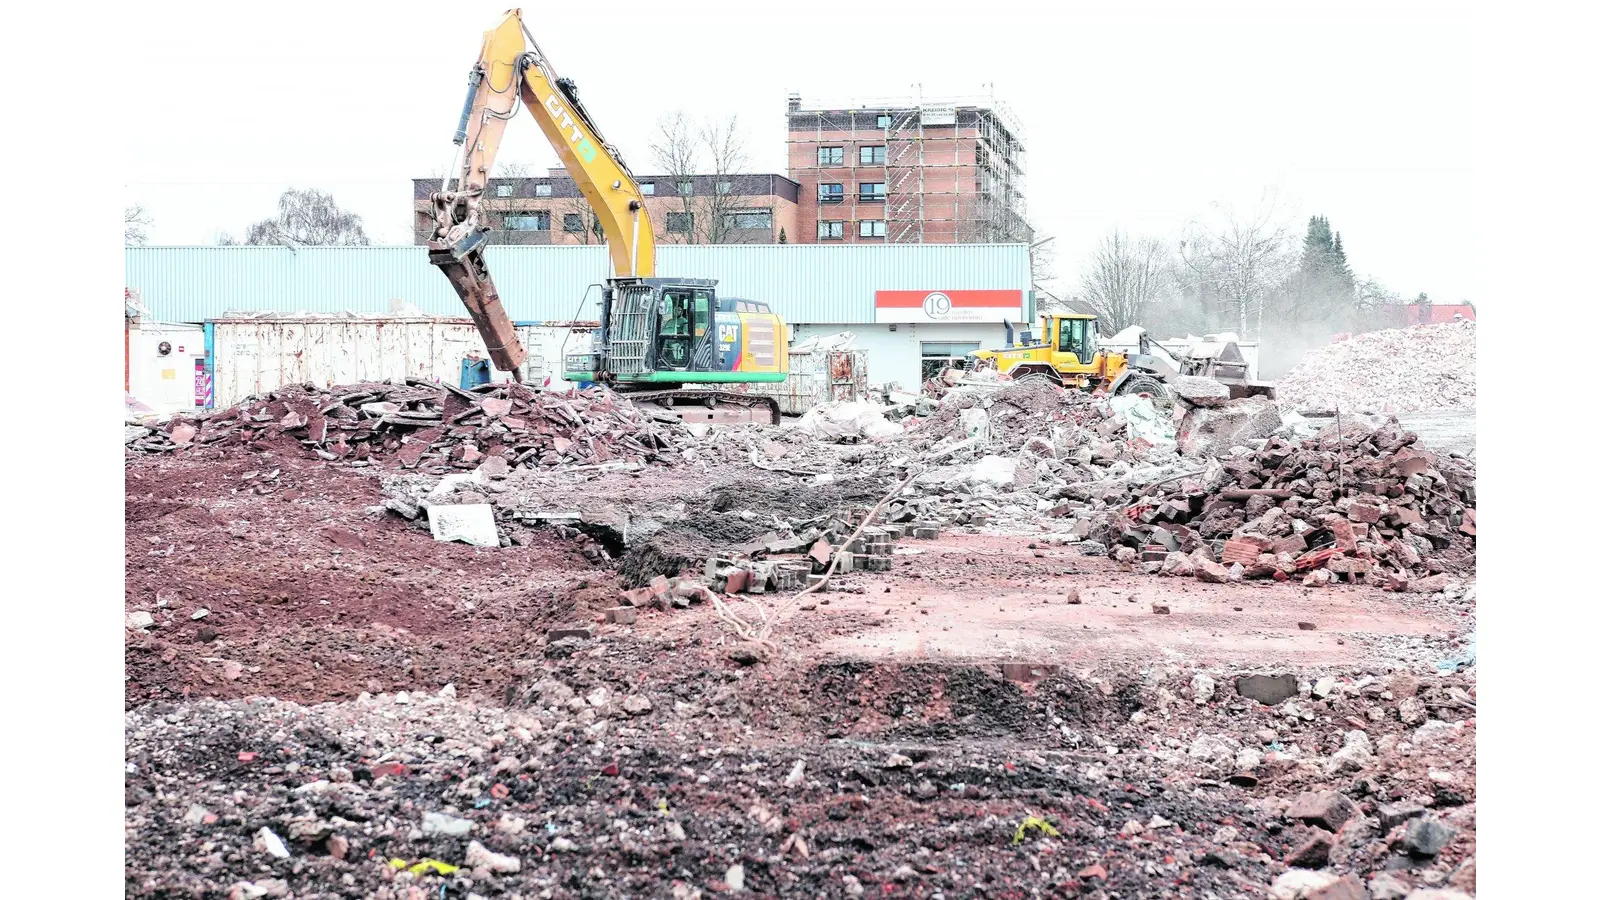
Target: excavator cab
{"points": [[661, 334], [686, 318]]}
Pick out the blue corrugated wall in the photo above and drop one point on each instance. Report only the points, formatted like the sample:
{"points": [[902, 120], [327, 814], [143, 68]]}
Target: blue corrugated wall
{"points": [[803, 282]]}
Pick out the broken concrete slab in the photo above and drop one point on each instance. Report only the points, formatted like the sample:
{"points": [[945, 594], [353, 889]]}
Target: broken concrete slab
{"points": [[1198, 390], [1267, 689], [1213, 431], [471, 523]]}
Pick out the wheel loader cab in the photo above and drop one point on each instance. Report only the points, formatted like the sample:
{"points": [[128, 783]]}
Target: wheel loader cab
{"points": [[1076, 336]]}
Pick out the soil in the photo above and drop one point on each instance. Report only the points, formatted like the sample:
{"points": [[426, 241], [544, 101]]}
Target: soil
{"points": [[938, 708]]}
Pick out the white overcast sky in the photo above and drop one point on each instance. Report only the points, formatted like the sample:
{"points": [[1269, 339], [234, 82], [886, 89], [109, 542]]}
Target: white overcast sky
{"points": [[1136, 114]]}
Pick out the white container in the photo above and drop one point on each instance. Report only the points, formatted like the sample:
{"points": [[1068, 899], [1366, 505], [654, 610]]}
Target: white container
{"points": [[166, 365], [254, 355]]}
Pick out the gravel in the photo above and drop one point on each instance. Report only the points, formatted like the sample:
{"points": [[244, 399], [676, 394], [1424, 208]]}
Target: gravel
{"points": [[1394, 371]]}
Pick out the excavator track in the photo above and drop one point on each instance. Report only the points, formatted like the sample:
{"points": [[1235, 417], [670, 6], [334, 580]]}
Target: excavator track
{"points": [[711, 407]]}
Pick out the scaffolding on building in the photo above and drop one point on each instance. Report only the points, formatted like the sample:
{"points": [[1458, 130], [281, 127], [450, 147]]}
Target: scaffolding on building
{"points": [[928, 196]]}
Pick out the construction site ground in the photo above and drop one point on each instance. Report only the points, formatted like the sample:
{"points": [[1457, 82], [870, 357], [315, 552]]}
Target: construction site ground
{"points": [[325, 691]]}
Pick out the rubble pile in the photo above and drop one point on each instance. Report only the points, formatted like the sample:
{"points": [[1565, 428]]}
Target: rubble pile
{"points": [[1365, 506], [1216, 428], [1010, 414], [433, 427], [1392, 371]]}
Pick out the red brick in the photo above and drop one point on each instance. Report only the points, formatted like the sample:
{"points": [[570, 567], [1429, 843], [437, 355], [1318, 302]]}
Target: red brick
{"points": [[1344, 537], [1405, 515], [1362, 512], [1260, 542], [1314, 559], [1293, 545], [1328, 810], [1412, 465], [1238, 551], [738, 581]]}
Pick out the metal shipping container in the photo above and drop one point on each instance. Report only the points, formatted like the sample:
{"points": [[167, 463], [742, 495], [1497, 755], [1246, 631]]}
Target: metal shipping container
{"points": [[256, 355], [817, 377]]}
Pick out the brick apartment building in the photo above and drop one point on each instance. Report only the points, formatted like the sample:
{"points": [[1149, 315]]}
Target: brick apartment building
{"points": [[908, 172], [735, 209], [912, 171]]}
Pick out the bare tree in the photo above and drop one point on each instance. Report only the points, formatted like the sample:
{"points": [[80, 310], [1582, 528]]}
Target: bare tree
{"points": [[135, 225], [1125, 278], [676, 152], [308, 217], [728, 214], [589, 231], [718, 213], [1236, 263], [1042, 264]]}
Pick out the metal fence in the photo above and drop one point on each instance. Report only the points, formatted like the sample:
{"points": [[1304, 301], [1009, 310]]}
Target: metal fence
{"points": [[803, 282]]}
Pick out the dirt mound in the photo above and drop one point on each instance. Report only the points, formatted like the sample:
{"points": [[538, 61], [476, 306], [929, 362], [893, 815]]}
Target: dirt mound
{"points": [[298, 586]]}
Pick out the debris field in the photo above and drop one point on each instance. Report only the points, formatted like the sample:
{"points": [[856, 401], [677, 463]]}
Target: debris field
{"points": [[930, 650]]}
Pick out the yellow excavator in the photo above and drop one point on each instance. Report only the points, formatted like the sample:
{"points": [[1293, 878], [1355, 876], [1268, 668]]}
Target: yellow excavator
{"points": [[663, 341]]}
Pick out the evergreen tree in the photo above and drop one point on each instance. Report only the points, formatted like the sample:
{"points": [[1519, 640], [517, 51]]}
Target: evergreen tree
{"points": [[1324, 287]]}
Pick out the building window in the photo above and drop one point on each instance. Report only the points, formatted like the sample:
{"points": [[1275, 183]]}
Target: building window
{"points": [[748, 218], [538, 221], [939, 355], [724, 187], [884, 119], [830, 231], [685, 188], [648, 189], [872, 228], [679, 223], [504, 190], [830, 193], [572, 223], [872, 156], [541, 190], [871, 190], [830, 156]]}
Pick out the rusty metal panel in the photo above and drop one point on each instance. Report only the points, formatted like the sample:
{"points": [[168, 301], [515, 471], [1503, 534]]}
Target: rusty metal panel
{"points": [[817, 377]]}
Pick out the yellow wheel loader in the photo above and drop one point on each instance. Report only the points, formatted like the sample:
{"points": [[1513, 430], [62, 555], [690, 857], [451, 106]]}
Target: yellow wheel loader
{"points": [[1068, 355]]}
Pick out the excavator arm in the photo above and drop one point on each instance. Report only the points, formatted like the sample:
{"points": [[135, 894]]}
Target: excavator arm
{"points": [[507, 77]]}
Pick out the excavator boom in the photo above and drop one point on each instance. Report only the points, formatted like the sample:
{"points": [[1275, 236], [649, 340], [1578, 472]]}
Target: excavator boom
{"points": [[509, 76]]}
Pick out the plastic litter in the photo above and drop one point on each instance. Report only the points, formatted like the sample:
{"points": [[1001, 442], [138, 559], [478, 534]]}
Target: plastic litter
{"points": [[851, 421], [424, 866], [1145, 422], [1034, 823]]}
